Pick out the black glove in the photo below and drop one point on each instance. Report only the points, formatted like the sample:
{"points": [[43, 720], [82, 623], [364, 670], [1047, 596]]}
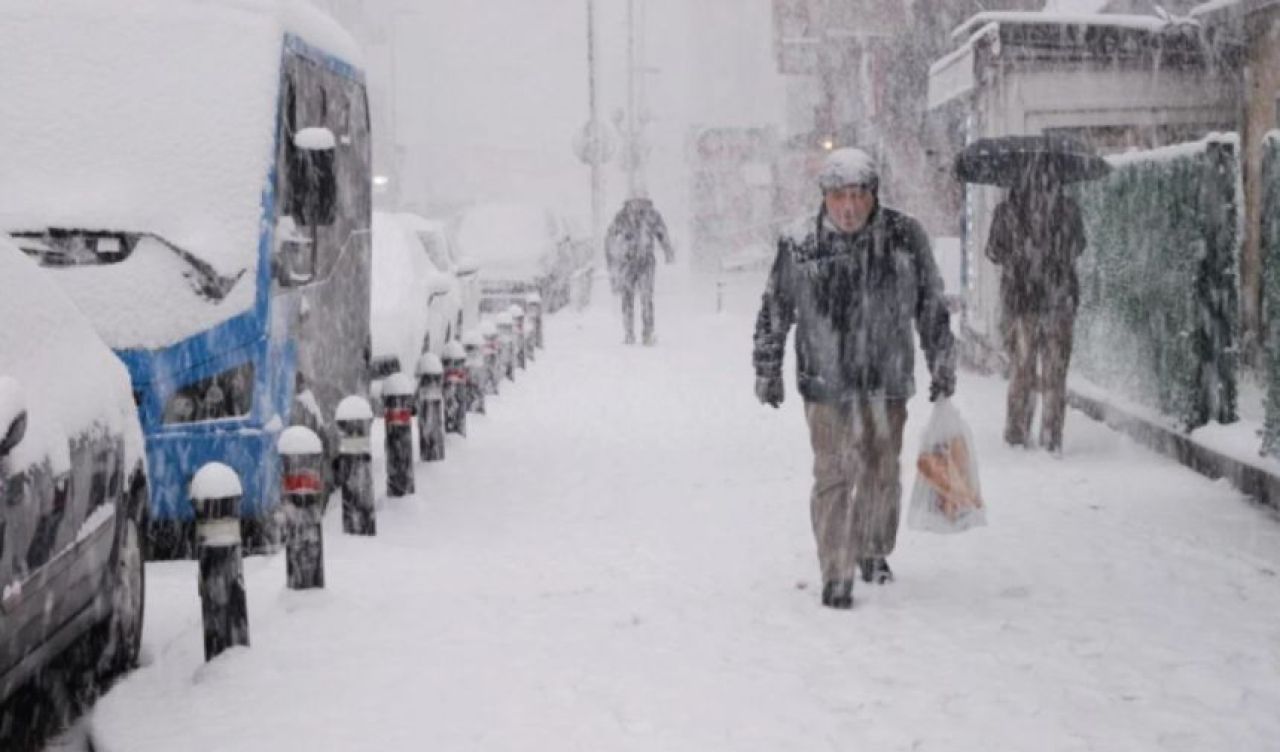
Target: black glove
{"points": [[943, 385], [769, 390]]}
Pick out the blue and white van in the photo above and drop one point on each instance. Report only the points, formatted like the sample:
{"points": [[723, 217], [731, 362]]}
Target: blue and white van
{"points": [[195, 174]]}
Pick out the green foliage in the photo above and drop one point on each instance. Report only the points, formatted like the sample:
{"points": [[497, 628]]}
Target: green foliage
{"points": [[1270, 242], [1158, 319]]}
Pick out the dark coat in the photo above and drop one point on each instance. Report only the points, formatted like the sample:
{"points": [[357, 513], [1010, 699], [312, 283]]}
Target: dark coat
{"points": [[631, 238], [853, 299], [1036, 238]]}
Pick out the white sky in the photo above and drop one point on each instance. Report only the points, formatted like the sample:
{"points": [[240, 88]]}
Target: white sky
{"points": [[489, 106]]}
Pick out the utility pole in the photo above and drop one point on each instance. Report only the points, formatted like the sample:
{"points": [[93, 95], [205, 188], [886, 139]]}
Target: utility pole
{"points": [[637, 115], [597, 184]]}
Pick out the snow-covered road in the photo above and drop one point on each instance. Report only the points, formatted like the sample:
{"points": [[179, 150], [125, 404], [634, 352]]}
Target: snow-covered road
{"points": [[618, 557]]}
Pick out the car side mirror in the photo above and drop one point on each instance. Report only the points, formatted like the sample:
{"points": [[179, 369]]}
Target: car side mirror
{"points": [[313, 177], [13, 415]]}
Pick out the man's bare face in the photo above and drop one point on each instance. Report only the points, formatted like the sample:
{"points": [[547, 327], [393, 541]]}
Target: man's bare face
{"points": [[849, 207]]}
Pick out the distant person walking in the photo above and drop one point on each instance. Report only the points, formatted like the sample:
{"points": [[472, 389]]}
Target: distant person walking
{"points": [[631, 260], [853, 279], [1036, 236]]}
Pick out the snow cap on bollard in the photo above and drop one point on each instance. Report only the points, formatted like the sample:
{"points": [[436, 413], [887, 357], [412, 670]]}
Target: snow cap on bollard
{"points": [[454, 351], [297, 441], [215, 498], [428, 365], [398, 385], [533, 298], [215, 481], [353, 408], [353, 416], [516, 310]]}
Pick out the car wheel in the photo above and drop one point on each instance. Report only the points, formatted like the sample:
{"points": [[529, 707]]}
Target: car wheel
{"points": [[121, 633]]}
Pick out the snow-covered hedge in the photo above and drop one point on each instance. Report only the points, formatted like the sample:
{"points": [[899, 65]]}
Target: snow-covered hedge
{"points": [[1158, 319], [1270, 238]]}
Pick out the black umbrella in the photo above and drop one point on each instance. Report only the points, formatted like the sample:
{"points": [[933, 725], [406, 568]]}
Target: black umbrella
{"points": [[1004, 160]]}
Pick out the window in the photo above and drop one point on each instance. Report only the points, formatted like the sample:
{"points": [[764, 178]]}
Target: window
{"points": [[226, 395]]}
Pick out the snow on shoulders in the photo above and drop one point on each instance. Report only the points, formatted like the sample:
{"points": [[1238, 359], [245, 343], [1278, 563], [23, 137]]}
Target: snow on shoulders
{"points": [[215, 481], [797, 230]]}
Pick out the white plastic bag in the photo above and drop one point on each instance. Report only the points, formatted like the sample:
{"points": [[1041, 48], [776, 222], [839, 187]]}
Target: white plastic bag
{"points": [[947, 497]]}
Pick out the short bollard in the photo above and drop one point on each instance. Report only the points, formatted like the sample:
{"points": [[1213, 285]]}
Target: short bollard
{"points": [[507, 347], [518, 334], [533, 308], [354, 472], [302, 460], [397, 413], [215, 494], [530, 331], [455, 388], [429, 402], [492, 357], [473, 346]]}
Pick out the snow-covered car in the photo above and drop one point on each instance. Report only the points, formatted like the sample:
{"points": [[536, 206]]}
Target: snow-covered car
{"points": [[417, 307], [523, 248], [447, 259], [73, 486]]}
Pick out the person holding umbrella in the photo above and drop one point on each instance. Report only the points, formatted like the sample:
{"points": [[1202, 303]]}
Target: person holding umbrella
{"points": [[1037, 234]]}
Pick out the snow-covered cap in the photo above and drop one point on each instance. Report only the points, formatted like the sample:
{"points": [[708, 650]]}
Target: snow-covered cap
{"points": [[848, 166], [453, 350], [473, 338]]}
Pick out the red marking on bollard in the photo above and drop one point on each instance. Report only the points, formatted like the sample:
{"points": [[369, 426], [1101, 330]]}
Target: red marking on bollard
{"points": [[306, 481], [400, 416]]}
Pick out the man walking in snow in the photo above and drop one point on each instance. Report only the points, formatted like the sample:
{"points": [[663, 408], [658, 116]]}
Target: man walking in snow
{"points": [[1036, 236], [853, 279], [629, 253]]}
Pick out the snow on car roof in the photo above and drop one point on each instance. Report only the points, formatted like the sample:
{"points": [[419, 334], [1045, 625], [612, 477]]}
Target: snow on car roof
{"points": [[68, 380], [147, 115]]}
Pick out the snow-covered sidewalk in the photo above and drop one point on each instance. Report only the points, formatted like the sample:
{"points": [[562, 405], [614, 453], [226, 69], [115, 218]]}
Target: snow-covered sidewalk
{"points": [[618, 557]]}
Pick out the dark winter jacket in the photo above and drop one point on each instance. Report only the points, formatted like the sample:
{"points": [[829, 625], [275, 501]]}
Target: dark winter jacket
{"points": [[1036, 239], [853, 299], [631, 237]]}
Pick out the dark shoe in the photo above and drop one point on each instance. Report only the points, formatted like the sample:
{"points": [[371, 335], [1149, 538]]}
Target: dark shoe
{"points": [[838, 594], [876, 570]]}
